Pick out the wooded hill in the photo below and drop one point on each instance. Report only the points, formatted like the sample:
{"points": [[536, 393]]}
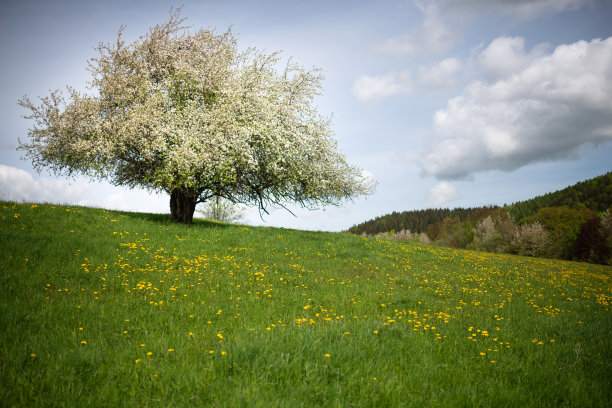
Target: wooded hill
{"points": [[570, 224], [594, 194]]}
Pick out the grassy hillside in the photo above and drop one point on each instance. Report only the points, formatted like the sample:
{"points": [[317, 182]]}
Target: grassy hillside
{"points": [[102, 308]]}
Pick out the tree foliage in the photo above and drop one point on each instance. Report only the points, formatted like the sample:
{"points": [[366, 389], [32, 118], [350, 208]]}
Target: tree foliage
{"points": [[594, 194], [591, 244], [420, 220], [564, 225], [192, 115], [530, 240], [222, 210], [565, 230]]}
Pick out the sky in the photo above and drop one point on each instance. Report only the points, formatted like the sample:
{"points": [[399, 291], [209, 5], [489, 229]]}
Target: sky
{"points": [[445, 103]]}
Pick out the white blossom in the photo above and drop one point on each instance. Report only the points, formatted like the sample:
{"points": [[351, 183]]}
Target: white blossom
{"points": [[190, 112]]}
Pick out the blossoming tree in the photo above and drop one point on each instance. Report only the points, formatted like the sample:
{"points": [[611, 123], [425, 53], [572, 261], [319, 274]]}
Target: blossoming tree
{"points": [[192, 115]]}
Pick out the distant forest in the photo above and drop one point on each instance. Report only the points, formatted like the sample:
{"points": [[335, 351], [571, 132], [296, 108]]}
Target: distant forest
{"points": [[573, 223], [594, 194]]}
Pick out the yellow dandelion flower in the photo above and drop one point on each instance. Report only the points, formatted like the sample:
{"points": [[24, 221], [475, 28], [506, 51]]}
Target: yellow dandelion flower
{"points": [[137, 361], [33, 355], [327, 355], [483, 354], [219, 335], [224, 353], [375, 332], [83, 342], [149, 353], [170, 350]]}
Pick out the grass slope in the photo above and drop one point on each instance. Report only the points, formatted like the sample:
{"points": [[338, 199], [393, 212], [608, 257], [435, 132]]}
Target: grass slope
{"points": [[101, 308]]}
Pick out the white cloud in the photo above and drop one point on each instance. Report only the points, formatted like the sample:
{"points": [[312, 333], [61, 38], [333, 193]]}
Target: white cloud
{"points": [[116, 201], [396, 46], [506, 55], [522, 9], [368, 177], [444, 21], [440, 75], [547, 110], [434, 34], [19, 185], [368, 87], [441, 194]]}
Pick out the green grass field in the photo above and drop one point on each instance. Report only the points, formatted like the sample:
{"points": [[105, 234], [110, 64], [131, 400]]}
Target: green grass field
{"points": [[103, 308]]}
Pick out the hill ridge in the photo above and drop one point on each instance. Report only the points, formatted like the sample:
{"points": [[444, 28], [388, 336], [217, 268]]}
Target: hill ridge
{"points": [[594, 194]]}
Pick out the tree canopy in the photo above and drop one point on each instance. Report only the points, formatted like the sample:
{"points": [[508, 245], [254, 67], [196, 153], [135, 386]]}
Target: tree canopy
{"points": [[192, 115]]}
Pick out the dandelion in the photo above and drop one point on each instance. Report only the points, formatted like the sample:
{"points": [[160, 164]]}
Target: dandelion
{"points": [[327, 355], [375, 332], [137, 361], [83, 342], [219, 335], [170, 350], [224, 353], [33, 355], [149, 353]]}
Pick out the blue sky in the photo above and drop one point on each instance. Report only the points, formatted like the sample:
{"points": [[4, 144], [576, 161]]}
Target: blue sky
{"points": [[446, 103]]}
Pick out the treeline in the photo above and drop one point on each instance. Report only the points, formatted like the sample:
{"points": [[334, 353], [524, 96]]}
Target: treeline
{"points": [[574, 224], [594, 194], [418, 221]]}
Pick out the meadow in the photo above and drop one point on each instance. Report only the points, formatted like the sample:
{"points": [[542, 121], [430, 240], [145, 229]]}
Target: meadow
{"points": [[104, 308]]}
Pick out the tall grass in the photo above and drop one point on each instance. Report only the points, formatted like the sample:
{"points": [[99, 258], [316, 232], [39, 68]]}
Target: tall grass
{"points": [[103, 308]]}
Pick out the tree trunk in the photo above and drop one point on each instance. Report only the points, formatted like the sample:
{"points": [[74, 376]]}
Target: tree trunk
{"points": [[182, 205]]}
